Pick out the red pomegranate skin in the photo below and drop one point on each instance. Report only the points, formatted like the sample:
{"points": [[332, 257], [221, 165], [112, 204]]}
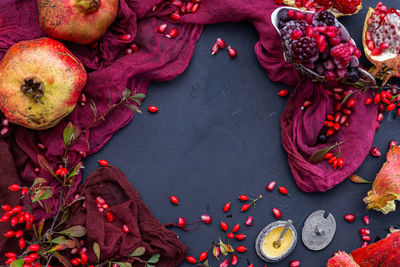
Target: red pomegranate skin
{"points": [[50, 63], [79, 21]]}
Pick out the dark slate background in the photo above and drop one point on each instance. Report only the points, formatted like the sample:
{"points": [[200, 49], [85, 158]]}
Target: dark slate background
{"points": [[217, 135]]}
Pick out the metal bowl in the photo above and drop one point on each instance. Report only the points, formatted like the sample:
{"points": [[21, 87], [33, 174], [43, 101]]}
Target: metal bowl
{"points": [[365, 77], [261, 236]]}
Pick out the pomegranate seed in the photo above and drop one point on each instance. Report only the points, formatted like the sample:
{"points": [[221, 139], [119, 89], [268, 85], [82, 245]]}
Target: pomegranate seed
{"points": [[110, 216], [216, 252], [4, 131], [296, 34], [125, 37], [9, 234], [152, 109], [298, 15], [174, 200], [191, 259], [189, 6], [14, 187], [41, 146], [393, 143], [18, 234], [375, 152], [230, 235], [76, 261], [172, 33], [349, 218], [224, 263], [306, 104], [351, 103], [245, 207], [368, 101], [231, 52], [271, 186], [181, 222], [294, 263], [6, 207], [234, 260], [214, 49], [82, 154], [243, 197], [380, 117], [174, 16], [177, 3], [82, 99], [125, 229], [366, 238], [343, 119], [235, 228], [28, 260], [5, 122], [365, 231], [203, 256], [283, 93], [206, 218], [134, 47], [21, 243], [103, 162], [84, 258], [364, 244], [240, 236], [241, 249], [249, 221], [100, 200], [162, 28], [227, 206], [376, 52], [366, 219], [195, 7], [290, 13], [224, 226], [221, 43], [11, 255], [283, 190], [277, 213]]}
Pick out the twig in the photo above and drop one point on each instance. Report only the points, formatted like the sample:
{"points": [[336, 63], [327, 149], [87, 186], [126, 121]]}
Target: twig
{"points": [[50, 231]]}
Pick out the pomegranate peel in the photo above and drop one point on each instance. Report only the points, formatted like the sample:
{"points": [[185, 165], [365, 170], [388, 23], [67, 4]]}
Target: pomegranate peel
{"points": [[332, 9], [386, 187], [341, 259]]}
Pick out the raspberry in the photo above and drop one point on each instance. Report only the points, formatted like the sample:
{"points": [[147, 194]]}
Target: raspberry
{"points": [[304, 50], [347, 6], [325, 18], [341, 54], [290, 27]]}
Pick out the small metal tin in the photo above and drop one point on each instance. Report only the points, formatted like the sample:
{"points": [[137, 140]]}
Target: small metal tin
{"points": [[263, 234], [318, 231]]}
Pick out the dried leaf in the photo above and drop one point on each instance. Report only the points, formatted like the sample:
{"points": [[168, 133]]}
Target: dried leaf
{"points": [[63, 260], [45, 164], [228, 248], [42, 194], [133, 108], [215, 252], [348, 95], [59, 240], [68, 133], [75, 171], [138, 101], [75, 231], [154, 259], [17, 263], [93, 108], [206, 264], [40, 181], [123, 264], [65, 217], [126, 93], [96, 249], [138, 252], [40, 227], [319, 155], [358, 180], [58, 248], [139, 95]]}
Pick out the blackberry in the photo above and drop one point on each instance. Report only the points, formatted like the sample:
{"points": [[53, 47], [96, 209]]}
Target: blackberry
{"points": [[291, 26], [304, 50], [283, 18], [322, 138], [353, 75], [325, 18]]}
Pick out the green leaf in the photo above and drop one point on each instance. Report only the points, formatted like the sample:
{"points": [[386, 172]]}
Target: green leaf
{"points": [[93, 107], [65, 217], [126, 93], [42, 195], [206, 263], [40, 181], [58, 248], [63, 260], [215, 252], [123, 264], [59, 240], [358, 180], [319, 155], [347, 96], [139, 95], [75, 171], [45, 164], [96, 249], [17, 263], [68, 133], [154, 259], [40, 227], [133, 108], [138, 252], [75, 231]]}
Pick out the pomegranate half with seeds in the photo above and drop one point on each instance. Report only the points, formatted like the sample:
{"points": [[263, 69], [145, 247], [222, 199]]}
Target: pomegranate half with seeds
{"points": [[40, 83], [337, 7], [79, 21], [381, 41], [341, 259]]}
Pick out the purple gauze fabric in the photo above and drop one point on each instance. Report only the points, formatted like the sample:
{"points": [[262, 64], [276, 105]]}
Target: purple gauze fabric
{"points": [[162, 59]]}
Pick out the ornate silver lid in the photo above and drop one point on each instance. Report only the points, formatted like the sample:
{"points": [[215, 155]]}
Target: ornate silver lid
{"points": [[318, 231]]}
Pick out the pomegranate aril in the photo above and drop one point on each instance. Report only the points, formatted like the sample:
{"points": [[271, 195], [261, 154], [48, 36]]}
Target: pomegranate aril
{"points": [[172, 33], [206, 218], [231, 52], [366, 238], [277, 213], [214, 49], [366, 219], [110, 216], [224, 263], [306, 104], [181, 222], [174, 200], [195, 7], [189, 6], [365, 231], [294, 263], [134, 47], [162, 28], [283, 93], [234, 260], [380, 117], [343, 119], [375, 152], [249, 221], [4, 131], [376, 52], [224, 226], [125, 229], [174, 16], [227, 207], [125, 37], [364, 244], [221, 43], [349, 218], [191, 259], [271, 186]]}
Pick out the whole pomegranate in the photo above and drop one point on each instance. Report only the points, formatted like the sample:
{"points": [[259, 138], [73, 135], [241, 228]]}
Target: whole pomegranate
{"points": [[40, 83], [79, 21]]}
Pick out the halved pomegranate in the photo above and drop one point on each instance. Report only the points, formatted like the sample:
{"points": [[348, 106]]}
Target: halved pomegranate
{"points": [[337, 7], [341, 259], [381, 41]]}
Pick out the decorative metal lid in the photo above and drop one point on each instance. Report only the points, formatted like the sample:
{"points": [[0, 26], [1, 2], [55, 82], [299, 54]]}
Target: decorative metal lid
{"points": [[318, 231]]}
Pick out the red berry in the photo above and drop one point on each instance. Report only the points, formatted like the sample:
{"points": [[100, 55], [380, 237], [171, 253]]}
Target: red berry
{"points": [[377, 98], [174, 200], [152, 109], [191, 259], [134, 47], [9, 234], [328, 156], [161, 28], [172, 33], [364, 244], [76, 261], [243, 197], [21, 243], [84, 258], [181, 222], [10, 260], [203, 256], [18, 234], [103, 162], [351, 103], [110, 216], [221, 43], [6, 207], [349, 217], [340, 162], [294, 263], [231, 52], [366, 219], [245, 207], [240, 236], [34, 247], [277, 213], [125, 229], [235, 228], [125, 37], [227, 206], [283, 190], [224, 226], [241, 249], [283, 93], [206, 218], [11, 255], [271, 186], [174, 16], [28, 260], [61, 171], [391, 107], [368, 101], [230, 235], [14, 187], [16, 209], [24, 191], [4, 218]]}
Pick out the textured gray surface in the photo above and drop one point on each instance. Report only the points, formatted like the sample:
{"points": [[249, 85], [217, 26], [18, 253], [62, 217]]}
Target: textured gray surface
{"points": [[217, 135]]}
